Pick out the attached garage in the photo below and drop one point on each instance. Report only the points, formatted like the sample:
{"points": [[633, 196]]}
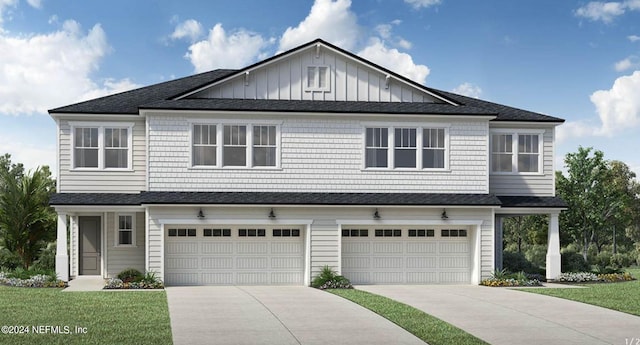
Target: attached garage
{"points": [[234, 255], [406, 255]]}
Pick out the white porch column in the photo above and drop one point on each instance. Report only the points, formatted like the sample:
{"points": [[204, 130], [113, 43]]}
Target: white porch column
{"points": [[553, 248], [62, 259], [498, 250]]}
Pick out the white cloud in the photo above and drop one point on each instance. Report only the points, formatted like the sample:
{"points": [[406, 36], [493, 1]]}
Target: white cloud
{"points": [[606, 11], [4, 5], [385, 32], [468, 89], [37, 64], [575, 129], [191, 29], [417, 4], [237, 49], [391, 58], [330, 20], [633, 38], [619, 107], [28, 152], [35, 3], [626, 63]]}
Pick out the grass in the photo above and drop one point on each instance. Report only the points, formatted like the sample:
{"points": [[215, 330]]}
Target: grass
{"points": [[424, 326], [131, 317], [624, 297]]}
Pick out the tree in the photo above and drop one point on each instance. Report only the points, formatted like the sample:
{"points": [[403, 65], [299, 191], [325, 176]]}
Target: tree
{"points": [[525, 230], [597, 193], [26, 221]]}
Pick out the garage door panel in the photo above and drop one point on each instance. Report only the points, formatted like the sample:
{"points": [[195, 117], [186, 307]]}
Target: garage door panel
{"points": [[356, 248], [422, 277], [216, 263], [454, 262], [222, 278], [387, 247], [252, 278], [252, 248], [454, 247], [182, 247], [260, 262], [454, 277], [217, 248], [422, 262], [422, 247], [286, 263], [388, 262], [182, 263], [285, 278], [286, 248], [356, 262], [181, 278], [388, 277]]}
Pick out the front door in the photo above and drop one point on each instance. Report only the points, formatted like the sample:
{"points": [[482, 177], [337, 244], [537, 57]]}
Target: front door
{"points": [[90, 246]]}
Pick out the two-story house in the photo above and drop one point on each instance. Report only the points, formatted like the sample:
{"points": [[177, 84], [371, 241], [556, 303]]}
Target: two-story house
{"points": [[312, 157]]}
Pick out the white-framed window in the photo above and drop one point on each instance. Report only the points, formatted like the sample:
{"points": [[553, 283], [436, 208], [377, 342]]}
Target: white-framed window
{"points": [[204, 139], [414, 147], [433, 148], [376, 147], [264, 146], [125, 229], [101, 146], [235, 145], [317, 78], [516, 152]]}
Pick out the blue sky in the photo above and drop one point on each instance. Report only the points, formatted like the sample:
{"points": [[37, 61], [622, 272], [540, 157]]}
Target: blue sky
{"points": [[577, 60]]}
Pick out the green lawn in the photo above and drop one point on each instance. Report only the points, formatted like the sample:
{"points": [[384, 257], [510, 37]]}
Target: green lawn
{"points": [[127, 317], [426, 327], [624, 297]]}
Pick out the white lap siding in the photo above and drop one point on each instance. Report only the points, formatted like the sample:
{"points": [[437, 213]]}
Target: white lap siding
{"points": [[123, 257]]}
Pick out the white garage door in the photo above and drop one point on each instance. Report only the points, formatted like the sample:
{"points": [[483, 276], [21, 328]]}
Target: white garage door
{"points": [[401, 255], [238, 255]]}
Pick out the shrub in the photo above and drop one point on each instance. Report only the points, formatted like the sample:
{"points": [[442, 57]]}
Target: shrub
{"points": [[621, 260], [602, 259], [572, 261], [47, 258], [36, 281], [504, 278], [130, 275], [577, 277], [9, 260], [536, 255], [146, 281], [615, 277], [21, 273], [516, 262], [329, 279]]}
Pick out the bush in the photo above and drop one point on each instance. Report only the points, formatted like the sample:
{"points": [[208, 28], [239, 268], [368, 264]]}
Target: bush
{"points": [[602, 259], [577, 277], [516, 262], [36, 281], [130, 275], [146, 281], [572, 261], [47, 258], [504, 278], [536, 255], [621, 260], [21, 273], [8, 260], [329, 279]]}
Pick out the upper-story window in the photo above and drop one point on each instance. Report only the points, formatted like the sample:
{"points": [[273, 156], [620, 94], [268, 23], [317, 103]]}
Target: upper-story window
{"points": [[317, 78], [413, 148], [242, 145], [101, 146], [516, 152]]}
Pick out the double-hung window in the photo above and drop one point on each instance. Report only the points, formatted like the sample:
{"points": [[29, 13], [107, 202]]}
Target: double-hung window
{"points": [[377, 143], [405, 148], [234, 145], [204, 145], [513, 152], [126, 230], [413, 147], [101, 146]]}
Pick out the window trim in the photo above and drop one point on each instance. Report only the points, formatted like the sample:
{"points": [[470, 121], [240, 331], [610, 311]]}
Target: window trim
{"points": [[220, 123], [117, 230], [419, 127], [515, 133], [101, 126]]}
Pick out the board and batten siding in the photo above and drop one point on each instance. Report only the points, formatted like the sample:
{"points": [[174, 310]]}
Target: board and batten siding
{"points": [[123, 257], [533, 184], [349, 80], [102, 181], [317, 155]]}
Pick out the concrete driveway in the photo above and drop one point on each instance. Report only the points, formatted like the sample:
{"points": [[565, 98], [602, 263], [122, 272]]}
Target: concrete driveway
{"points": [[506, 316], [275, 315]]}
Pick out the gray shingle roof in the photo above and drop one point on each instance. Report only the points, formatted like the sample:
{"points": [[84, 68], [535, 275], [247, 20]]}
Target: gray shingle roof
{"points": [[273, 198], [162, 96], [533, 201], [316, 106]]}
